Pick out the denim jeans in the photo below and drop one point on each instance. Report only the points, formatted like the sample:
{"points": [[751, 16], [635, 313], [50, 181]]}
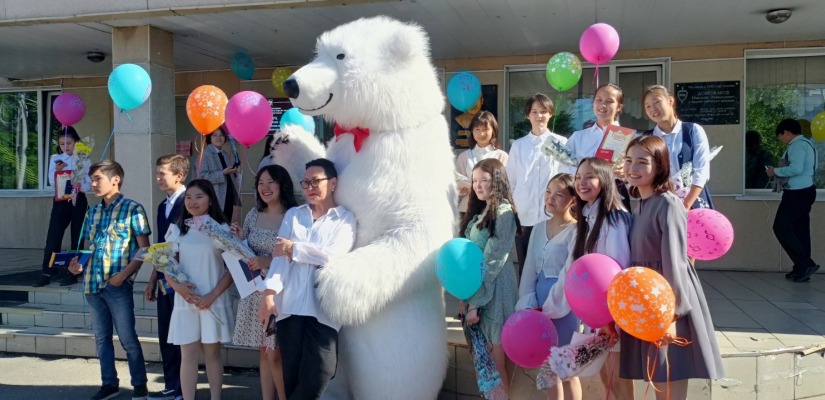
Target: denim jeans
{"points": [[114, 306]]}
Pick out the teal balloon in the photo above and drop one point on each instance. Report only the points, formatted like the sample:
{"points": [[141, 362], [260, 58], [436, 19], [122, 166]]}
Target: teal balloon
{"points": [[243, 66], [463, 91], [129, 86], [563, 71], [460, 267], [294, 116]]}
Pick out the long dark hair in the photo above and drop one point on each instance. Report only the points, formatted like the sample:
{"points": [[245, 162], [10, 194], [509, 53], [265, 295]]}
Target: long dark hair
{"points": [[280, 175], [214, 207], [656, 147], [64, 132], [500, 194], [610, 208]]}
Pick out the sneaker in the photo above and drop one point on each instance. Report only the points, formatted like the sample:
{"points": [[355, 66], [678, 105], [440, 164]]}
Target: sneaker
{"points": [[106, 392], [790, 275], [139, 392], [69, 280], [165, 394], [806, 276], [44, 280]]}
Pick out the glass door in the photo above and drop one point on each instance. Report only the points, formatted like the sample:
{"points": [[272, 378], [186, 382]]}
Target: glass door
{"points": [[633, 81]]}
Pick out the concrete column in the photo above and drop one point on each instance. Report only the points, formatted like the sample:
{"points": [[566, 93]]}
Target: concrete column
{"points": [[148, 132]]}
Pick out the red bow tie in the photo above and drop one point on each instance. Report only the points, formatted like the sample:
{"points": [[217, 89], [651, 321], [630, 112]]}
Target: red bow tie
{"points": [[360, 134]]}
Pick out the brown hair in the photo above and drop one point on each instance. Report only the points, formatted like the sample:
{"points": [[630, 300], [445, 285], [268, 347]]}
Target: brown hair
{"points": [[500, 194], [656, 147], [610, 208], [567, 182], [543, 100], [109, 168], [177, 163], [484, 118]]}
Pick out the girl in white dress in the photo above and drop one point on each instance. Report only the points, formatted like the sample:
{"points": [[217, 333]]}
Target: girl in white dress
{"points": [[194, 326]]}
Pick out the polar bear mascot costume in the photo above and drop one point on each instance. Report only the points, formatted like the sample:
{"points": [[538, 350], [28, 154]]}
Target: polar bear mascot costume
{"points": [[374, 79]]}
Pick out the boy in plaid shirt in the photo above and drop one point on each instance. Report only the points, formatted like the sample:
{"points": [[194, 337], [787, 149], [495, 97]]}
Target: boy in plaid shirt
{"points": [[116, 228]]}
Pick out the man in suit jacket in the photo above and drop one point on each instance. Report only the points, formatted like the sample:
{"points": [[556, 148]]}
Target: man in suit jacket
{"points": [[170, 172]]}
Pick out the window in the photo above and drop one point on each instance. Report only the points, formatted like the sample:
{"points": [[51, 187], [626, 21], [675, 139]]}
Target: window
{"points": [[780, 85], [19, 140], [574, 107]]}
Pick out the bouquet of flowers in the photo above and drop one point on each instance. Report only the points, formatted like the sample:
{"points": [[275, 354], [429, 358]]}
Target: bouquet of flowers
{"points": [[162, 257], [682, 182], [569, 361], [82, 149], [553, 147], [489, 380], [222, 237]]}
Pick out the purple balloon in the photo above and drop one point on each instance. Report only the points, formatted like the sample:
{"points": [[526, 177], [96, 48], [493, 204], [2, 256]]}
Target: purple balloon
{"points": [[69, 109], [599, 43], [248, 117], [527, 337], [585, 287]]}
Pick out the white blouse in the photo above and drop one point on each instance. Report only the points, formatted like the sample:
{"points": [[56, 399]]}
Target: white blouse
{"points": [[85, 186], [701, 152], [467, 160], [529, 170], [314, 243], [584, 143], [544, 256]]}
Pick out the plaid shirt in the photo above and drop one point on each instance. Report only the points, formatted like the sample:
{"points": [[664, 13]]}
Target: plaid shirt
{"points": [[112, 232]]}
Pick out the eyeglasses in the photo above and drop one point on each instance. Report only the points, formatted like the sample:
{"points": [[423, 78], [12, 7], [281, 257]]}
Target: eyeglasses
{"points": [[314, 183]]}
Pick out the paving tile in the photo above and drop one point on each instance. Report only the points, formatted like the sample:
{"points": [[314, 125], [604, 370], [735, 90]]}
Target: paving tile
{"points": [[21, 344], [775, 376], [740, 381], [794, 305], [465, 372], [449, 380], [723, 320], [809, 375], [50, 345]]}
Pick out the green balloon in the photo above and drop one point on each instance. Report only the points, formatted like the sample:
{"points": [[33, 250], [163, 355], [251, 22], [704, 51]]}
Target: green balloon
{"points": [[563, 71]]}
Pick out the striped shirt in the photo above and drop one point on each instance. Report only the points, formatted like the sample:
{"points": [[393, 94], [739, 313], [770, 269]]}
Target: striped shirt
{"points": [[112, 232]]}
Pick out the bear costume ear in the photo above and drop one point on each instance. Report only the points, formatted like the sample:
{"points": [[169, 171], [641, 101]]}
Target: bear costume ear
{"points": [[407, 43]]}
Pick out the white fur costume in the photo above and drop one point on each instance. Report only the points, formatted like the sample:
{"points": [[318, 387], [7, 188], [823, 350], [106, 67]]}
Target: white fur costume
{"points": [[376, 73]]}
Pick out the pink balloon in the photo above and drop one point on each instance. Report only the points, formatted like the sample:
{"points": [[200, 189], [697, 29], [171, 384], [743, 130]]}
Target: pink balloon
{"points": [[248, 117], [527, 337], [585, 287], [69, 109], [599, 43], [709, 234]]}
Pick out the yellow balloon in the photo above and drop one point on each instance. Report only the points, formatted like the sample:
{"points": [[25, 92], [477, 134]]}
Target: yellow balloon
{"points": [[818, 127], [279, 75]]}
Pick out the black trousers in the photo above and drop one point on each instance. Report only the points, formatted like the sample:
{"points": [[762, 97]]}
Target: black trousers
{"points": [[169, 353], [521, 248], [309, 354], [792, 226], [64, 213]]}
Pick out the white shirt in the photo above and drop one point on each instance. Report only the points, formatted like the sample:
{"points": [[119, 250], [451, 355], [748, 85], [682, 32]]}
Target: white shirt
{"points": [[584, 144], [701, 150], [613, 241], [529, 170], [544, 256], [86, 184], [314, 243], [170, 200], [468, 159]]}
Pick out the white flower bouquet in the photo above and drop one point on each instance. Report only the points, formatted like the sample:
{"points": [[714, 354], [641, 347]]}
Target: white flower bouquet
{"points": [[568, 361], [221, 236], [682, 181], [553, 147], [82, 149], [162, 257]]}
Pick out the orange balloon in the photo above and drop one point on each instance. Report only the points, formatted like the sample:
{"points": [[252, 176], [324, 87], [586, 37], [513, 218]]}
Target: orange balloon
{"points": [[205, 107], [641, 302]]}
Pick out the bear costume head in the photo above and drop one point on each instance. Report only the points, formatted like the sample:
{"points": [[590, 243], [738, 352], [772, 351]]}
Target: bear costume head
{"points": [[348, 79]]}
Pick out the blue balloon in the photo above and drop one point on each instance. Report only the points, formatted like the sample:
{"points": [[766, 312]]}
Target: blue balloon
{"points": [[460, 267], [294, 116], [243, 66], [129, 86], [463, 91]]}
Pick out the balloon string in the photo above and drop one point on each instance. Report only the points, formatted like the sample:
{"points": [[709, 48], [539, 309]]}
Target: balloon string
{"points": [[610, 379], [109, 141], [240, 181], [200, 154]]}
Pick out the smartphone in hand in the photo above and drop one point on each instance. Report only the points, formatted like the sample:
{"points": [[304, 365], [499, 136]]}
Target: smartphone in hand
{"points": [[270, 326]]}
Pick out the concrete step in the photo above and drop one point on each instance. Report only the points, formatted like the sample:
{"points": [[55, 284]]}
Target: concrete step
{"points": [[81, 343], [66, 316], [69, 295]]}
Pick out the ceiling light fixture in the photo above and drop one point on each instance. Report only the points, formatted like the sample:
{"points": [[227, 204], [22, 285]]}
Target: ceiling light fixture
{"points": [[778, 16], [95, 56]]}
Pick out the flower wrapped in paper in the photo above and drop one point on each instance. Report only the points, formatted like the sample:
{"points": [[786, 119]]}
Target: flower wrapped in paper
{"points": [[553, 147], [489, 380], [221, 236], [568, 361], [682, 180], [162, 257], [82, 150]]}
